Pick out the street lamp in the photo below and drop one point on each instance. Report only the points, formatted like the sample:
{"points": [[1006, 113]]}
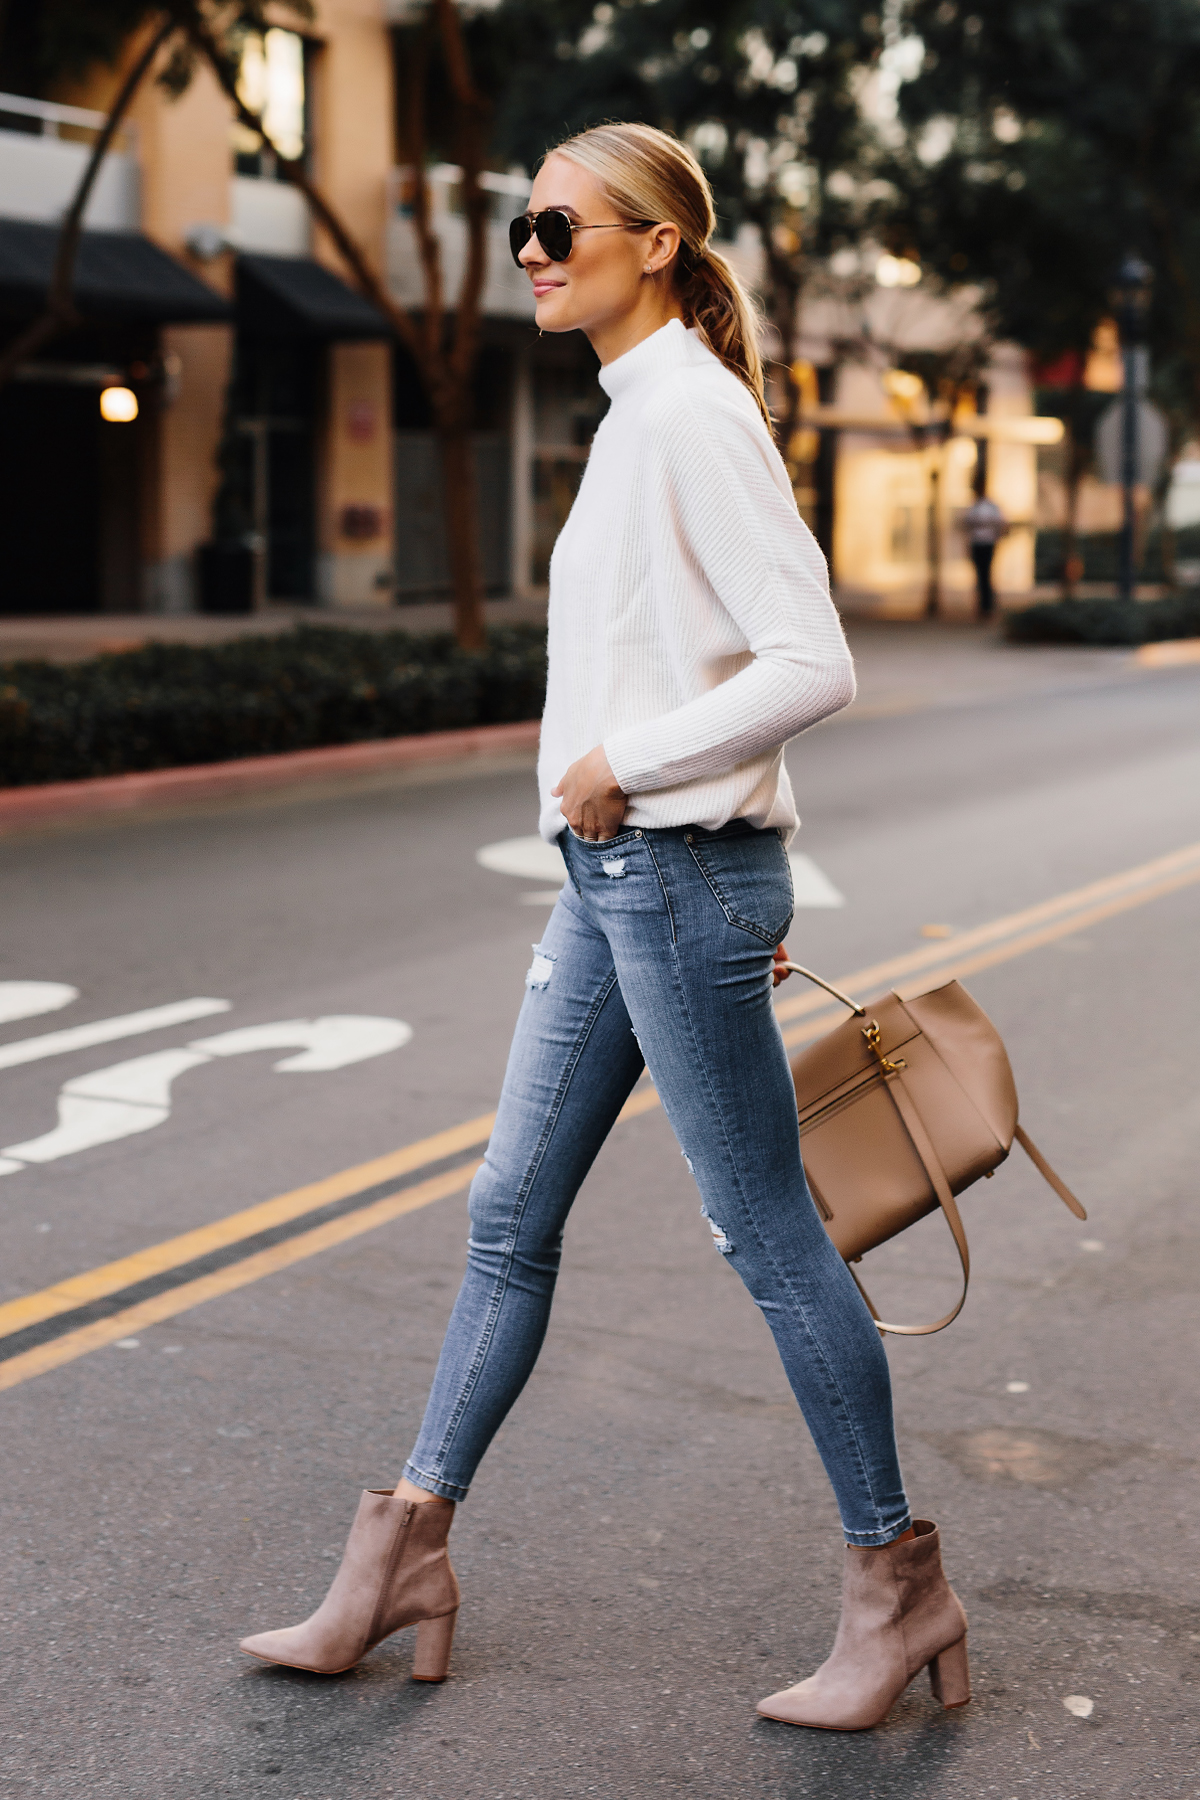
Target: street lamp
{"points": [[1131, 305]]}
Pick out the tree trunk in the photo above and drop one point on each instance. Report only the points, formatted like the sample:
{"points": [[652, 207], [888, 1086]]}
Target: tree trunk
{"points": [[460, 490], [446, 375]]}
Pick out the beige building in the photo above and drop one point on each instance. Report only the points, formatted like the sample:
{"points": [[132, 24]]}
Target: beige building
{"points": [[899, 470], [282, 447], [273, 412]]}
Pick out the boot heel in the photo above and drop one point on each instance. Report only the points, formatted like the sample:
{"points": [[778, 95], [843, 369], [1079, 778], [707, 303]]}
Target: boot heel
{"points": [[950, 1675], [434, 1638]]}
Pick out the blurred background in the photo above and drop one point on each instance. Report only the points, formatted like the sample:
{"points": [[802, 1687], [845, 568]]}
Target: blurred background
{"points": [[291, 365]]}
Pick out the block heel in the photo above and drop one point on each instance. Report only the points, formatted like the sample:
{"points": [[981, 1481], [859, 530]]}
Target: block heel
{"points": [[434, 1638], [395, 1572], [950, 1675], [899, 1615]]}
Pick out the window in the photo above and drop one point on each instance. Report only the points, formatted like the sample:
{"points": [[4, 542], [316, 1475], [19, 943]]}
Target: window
{"points": [[271, 82]]}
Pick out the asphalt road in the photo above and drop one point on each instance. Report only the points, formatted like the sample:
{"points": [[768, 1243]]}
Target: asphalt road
{"points": [[650, 1545]]}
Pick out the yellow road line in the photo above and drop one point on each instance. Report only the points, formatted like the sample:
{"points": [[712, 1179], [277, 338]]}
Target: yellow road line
{"points": [[95, 1284], [942, 962], [225, 1281], [935, 954], [1079, 921]]}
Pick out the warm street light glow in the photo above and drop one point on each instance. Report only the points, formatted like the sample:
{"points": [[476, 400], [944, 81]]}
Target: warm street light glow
{"points": [[902, 385], [1023, 429], [118, 405], [897, 271]]}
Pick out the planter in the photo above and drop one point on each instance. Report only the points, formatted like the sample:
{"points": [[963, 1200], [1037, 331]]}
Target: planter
{"points": [[225, 577]]}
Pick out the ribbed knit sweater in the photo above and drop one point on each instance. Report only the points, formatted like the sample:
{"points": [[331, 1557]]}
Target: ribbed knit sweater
{"points": [[691, 630]]}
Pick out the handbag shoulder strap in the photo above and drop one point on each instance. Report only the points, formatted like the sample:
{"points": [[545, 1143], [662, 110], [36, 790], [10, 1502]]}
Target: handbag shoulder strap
{"points": [[1043, 1168], [931, 1162]]}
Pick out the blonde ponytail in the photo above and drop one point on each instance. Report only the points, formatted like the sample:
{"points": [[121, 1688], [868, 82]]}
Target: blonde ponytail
{"points": [[648, 174]]}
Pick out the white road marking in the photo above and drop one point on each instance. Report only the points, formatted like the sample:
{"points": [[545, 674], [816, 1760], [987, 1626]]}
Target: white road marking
{"points": [[811, 885], [329, 1043], [532, 858], [104, 1031], [135, 1096], [25, 999]]}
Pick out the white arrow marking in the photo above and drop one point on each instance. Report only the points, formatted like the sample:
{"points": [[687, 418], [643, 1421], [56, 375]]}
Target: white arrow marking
{"points": [[330, 1043], [532, 858], [812, 886], [104, 1031], [134, 1096], [25, 999]]}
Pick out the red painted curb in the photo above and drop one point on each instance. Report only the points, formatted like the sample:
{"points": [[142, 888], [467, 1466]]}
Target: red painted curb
{"points": [[56, 801]]}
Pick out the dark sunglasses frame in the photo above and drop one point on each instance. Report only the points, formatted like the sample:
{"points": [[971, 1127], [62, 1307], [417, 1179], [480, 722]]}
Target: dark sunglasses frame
{"points": [[556, 233]]}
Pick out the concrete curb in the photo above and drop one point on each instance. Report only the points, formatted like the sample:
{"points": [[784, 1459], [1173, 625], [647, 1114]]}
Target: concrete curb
{"points": [[59, 802]]}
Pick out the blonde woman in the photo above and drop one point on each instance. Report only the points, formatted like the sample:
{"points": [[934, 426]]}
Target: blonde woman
{"points": [[691, 635]]}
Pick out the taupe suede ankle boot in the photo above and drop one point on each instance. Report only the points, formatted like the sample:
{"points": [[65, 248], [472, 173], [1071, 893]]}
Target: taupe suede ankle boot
{"points": [[395, 1572], [899, 1615]]}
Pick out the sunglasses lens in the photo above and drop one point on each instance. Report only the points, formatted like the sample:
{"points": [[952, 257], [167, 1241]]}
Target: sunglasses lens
{"points": [[554, 235], [519, 234]]}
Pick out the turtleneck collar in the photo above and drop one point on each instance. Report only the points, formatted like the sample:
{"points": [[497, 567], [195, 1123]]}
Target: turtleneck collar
{"points": [[667, 348]]}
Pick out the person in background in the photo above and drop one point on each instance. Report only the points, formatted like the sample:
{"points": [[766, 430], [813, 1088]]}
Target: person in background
{"points": [[984, 525]]}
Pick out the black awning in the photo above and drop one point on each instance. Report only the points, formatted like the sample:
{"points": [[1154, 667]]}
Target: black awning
{"points": [[120, 277], [293, 296]]}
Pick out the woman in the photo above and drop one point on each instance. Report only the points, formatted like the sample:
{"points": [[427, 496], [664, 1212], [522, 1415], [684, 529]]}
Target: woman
{"points": [[691, 635]]}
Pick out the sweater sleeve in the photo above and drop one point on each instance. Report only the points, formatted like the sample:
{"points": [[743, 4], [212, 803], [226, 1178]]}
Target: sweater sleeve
{"points": [[734, 524]]}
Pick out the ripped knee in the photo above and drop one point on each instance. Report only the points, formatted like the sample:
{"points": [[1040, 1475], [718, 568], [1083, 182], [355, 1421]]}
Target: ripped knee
{"points": [[540, 969], [720, 1239]]}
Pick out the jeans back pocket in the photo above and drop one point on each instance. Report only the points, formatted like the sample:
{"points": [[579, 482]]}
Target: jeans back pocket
{"points": [[750, 877]]}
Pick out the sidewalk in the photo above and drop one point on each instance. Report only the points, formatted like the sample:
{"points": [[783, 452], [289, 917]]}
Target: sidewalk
{"points": [[903, 666], [906, 664]]}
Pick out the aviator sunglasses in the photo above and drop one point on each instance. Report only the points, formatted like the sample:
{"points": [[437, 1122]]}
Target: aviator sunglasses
{"points": [[554, 232]]}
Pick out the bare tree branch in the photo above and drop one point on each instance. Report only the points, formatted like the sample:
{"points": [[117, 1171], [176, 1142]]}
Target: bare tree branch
{"points": [[60, 313], [427, 240], [472, 110], [447, 378], [292, 169]]}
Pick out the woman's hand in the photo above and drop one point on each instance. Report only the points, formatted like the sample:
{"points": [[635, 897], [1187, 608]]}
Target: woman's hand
{"points": [[778, 974], [592, 803]]}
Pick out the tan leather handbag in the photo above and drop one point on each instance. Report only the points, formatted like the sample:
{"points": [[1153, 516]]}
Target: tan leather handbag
{"points": [[901, 1107]]}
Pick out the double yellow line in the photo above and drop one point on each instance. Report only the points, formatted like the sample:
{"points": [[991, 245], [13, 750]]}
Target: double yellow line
{"points": [[1001, 940]]}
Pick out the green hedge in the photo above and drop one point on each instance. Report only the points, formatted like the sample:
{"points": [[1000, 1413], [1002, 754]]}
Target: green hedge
{"points": [[1107, 621], [167, 705]]}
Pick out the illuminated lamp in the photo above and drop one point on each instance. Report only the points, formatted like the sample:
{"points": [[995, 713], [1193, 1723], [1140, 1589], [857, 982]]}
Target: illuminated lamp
{"points": [[118, 405]]}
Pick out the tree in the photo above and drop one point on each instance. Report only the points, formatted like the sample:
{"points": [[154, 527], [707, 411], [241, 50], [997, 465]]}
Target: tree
{"points": [[765, 91], [71, 34], [1045, 140]]}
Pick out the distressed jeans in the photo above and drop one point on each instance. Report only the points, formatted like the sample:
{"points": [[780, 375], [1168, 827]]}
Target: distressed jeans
{"points": [[660, 948]]}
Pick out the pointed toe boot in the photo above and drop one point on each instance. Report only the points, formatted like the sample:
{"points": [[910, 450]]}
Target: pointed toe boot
{"points": [[899, 1615], [395, 1572]]}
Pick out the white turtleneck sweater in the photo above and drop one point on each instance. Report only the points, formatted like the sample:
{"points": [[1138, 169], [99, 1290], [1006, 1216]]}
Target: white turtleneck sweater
{"points": [[691, 630]]}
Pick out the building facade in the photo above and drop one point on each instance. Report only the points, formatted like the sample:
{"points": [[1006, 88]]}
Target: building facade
{"points": [[278, 445]]}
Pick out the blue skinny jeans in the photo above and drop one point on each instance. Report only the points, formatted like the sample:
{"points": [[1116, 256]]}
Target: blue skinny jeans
{"points": [[660, 948]]}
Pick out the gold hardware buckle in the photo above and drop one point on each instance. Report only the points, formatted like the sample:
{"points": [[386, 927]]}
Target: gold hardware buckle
{"points": [[887, 1066]]}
